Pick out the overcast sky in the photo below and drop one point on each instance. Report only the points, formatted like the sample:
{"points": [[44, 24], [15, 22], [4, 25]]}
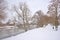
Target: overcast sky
{"points": [[34, 5]]}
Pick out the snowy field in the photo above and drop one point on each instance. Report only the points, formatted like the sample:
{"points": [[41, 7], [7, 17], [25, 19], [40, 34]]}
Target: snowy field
{"points": [[46, 33]]}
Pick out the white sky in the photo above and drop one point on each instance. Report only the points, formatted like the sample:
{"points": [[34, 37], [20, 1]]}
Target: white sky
{"points": [[34, 5]]}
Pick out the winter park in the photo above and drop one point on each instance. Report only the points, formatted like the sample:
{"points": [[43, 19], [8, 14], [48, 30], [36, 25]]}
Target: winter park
{"points": [[29, 19]]}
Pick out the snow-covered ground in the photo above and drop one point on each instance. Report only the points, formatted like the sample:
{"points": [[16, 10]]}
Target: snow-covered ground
{"points": [[46, 33]]}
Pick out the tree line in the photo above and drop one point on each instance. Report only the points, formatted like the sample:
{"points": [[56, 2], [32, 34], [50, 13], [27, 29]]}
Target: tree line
{"points": [[25, 20]]}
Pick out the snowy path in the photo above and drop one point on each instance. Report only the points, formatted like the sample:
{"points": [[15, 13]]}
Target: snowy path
{"points": [[46, 33]]}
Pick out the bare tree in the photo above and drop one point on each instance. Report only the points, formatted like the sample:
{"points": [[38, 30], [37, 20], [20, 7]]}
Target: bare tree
{"points": [[23, 15], [2, 8], [53, 11], [37, 18]]}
